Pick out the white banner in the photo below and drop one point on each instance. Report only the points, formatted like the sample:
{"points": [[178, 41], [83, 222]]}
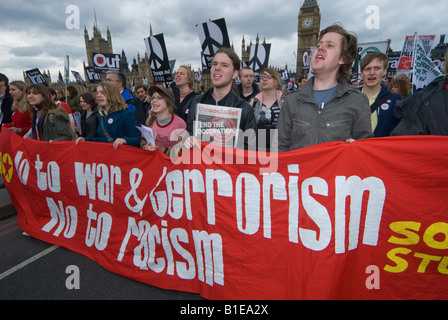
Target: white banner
{"points": [[425, 71]]}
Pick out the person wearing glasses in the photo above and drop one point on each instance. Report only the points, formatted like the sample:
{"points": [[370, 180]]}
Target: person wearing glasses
{"points": [[167, 126], [267, 106]]}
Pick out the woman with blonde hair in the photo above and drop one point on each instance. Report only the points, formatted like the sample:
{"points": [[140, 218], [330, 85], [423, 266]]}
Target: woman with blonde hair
{"points": [[116, 122], [185, 83], [22, 116], [267, 106]]}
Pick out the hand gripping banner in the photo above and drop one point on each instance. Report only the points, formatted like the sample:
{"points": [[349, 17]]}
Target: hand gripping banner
{"points": [[366, 220]]}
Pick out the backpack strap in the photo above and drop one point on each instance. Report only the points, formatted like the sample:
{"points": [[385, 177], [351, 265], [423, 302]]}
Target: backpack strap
{"points": [[379, 102], [106, 133]]}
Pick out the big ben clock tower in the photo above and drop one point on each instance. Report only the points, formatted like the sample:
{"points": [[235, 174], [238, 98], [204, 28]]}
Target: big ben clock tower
{"points": [[308, 31]]}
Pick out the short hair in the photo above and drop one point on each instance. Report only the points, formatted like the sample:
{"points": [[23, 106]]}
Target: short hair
{"points": [[89, 98], [246, 68], [369, 57], [349, 50], [121, 77], [4, 78], [140, 86], [272, 72], [232, 55]]}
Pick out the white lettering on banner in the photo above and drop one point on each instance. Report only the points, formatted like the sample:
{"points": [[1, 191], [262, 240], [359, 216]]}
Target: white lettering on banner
{"points": [[50, 179], [208, 247], [253, 195], [22, 167], [354, 188], [250, 214], [135, 178], [63, 218], [318, 213], [86, 180], [99, 235]]}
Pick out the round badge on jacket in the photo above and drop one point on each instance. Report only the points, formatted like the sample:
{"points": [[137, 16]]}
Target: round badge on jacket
{"points": [[385, 107], [110, 121]]}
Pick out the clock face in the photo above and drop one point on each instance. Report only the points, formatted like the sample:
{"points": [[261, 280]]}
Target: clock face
{"points": [[307, 22]]}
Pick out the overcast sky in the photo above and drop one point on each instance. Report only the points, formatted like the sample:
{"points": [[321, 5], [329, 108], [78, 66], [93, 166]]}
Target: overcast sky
{"points": [[33, 34]]}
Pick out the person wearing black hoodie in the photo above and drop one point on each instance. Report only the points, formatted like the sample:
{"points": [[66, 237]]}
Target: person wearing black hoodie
{"points": [[426, 111], [6, 100]]}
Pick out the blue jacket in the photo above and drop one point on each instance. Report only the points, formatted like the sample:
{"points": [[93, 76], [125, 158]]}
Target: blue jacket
{"points": [[129, 99], [386, 118], [119, 124]]}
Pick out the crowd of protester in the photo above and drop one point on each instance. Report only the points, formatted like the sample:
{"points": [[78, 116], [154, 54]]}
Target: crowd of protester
{"points": [[325, 107]]}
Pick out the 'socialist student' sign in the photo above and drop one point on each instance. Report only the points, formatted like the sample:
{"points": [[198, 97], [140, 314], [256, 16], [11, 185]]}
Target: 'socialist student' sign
{"points": [[217, 125]]}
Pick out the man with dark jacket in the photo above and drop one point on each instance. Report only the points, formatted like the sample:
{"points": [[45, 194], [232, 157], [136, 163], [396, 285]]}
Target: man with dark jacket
{"points": [[223, 73], [247, 88], [134, 104], [425, 112], [6, 100]]}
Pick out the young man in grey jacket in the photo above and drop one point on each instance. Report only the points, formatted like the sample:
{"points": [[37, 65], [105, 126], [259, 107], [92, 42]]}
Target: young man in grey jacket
{"points": [[327, 108]]}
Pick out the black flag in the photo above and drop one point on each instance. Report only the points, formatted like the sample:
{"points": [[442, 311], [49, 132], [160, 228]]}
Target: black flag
{"points": [[259, 58], [36, 77], [213, 35], [158, 59]]}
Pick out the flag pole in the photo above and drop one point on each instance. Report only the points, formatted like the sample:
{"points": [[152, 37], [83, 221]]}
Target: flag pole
{"points": [[413, 62], [66, 74]]}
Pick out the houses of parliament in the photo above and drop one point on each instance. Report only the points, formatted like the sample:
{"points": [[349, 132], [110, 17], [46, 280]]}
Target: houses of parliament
{"points": [[139, 71]]}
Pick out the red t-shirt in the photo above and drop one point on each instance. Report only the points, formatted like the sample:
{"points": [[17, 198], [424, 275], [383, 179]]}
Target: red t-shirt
{"points": [[67, 109], [167, 136], [20, 120]]}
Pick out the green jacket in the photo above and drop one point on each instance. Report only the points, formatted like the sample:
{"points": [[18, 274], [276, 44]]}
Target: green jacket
{"points": [[57, 127], [73, 103]]}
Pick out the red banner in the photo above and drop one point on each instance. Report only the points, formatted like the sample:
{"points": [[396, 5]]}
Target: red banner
{"points": [[366, 220]]}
